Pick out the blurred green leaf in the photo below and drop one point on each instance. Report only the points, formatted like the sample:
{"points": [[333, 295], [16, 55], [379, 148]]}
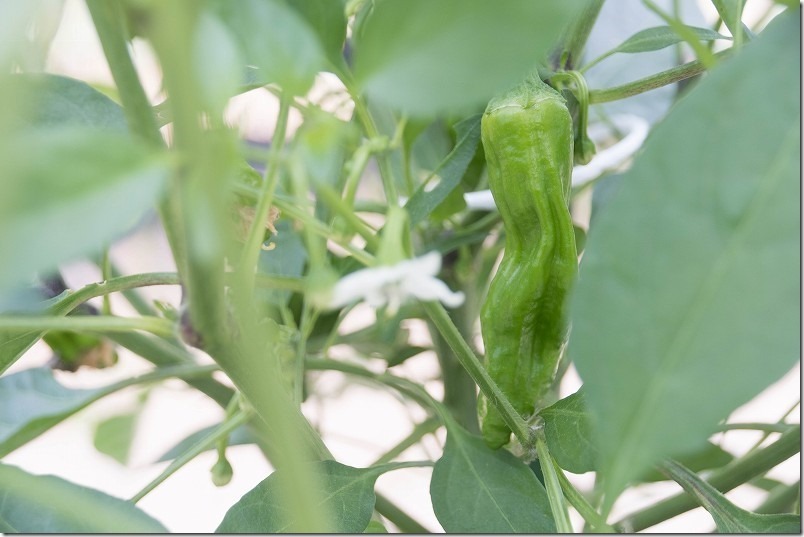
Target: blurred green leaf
{"points": [[568, 430], [478, 490], [328, 19], [60, 101], [275, 39], [430, 58], [348, 492], [688, 300], [69, 191], [728, 517], [450, 171], [49, 504], [217, 61], [114, 436], [14, 344], [32, 401]]}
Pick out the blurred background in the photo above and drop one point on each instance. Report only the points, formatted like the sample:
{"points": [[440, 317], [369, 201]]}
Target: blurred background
{"points": [[358, 422]]}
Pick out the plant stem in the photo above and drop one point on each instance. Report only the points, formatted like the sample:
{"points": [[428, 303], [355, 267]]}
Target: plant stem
{"points": [[578, 33], [221, 431], [87, 323], [253, 243], [780, 499], [558, 505], [73, 299], [107, 17], [723, 479], [671, 76], [340, 207], [163, 355], [469, 361], [398, 517], [370, 128], [766, 427], [580, 503], [419, 431]]}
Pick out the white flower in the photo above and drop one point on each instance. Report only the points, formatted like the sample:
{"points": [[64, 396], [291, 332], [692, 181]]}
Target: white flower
{"points": [[394, 285]]}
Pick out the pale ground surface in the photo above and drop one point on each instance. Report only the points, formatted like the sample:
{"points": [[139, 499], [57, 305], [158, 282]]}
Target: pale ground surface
{"points": [[358, 422]]}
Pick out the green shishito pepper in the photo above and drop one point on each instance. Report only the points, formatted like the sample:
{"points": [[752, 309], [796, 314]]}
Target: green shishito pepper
{"points": [[528, 139]]}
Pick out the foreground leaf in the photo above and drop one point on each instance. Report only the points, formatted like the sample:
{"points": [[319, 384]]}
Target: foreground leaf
{"points": [[32, 401], [49, 504], [687, 303], [348, 499], [427, 57], [69, 191], [61, 101], [478, 490], [14, 344], [568, 430], [276, 39], [728, 517]]}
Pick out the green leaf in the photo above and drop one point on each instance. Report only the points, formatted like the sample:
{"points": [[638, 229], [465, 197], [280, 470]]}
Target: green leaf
{"points": [[728, 517], [49, 504], [276, 39], [478, 490], [328, 19], [60, 101], [217, 61], [114, 436], [451, 170], [68, 192], [568, 432], [348, 499], [14, 344], [32, 401], [687, 304], [238, 437], [428, 58], [656, 38]]}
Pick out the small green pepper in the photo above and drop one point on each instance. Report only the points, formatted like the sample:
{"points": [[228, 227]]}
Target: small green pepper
{"points": [[528, 139]]}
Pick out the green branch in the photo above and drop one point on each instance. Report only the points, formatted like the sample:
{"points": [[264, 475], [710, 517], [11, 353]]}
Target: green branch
{"points": [[671, 76], [558, 505], [87, 323], [469, 361], [724, 479], [219, 432]]}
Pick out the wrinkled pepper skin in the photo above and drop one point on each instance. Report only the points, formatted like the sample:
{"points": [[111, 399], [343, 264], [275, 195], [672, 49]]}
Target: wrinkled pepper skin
{"points": [[528, 139]]}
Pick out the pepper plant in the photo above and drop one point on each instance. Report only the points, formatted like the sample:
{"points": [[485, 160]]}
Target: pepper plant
{"points": [[676, 301]]}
